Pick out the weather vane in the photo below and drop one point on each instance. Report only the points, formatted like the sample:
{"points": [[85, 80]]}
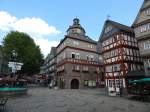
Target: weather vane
{"points": [[77, 17], [108, 17]]}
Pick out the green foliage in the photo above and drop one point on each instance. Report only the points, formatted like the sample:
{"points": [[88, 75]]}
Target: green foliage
{"points": [[28, 52]]}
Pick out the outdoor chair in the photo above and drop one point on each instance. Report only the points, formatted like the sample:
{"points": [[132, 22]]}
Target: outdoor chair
{"points": [[3, 102]]}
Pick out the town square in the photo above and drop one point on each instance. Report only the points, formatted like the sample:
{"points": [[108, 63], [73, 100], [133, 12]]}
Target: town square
{"points": [[85, 100], [81, 56]]}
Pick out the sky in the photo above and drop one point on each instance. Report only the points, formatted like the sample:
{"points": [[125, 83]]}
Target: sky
{"points": [[47, 21]]}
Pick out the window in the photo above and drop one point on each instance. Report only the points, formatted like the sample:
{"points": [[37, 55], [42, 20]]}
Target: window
{"points": [[131, 53], [115, 68], [148, 26], [113, 53], [85, 82], [127, 51], [85, 68], [146, 45], [143, 28], [76, 68], [125, 37], [117, 37], [87, 57], [90, 57], [75, 43], [90, 46], [119, 83], [110, 83], [147, 12], [108, 29], [73, 55], [77, 56]]}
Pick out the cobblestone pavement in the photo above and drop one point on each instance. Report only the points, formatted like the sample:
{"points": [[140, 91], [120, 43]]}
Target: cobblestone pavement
{"points": [[91, 100]]}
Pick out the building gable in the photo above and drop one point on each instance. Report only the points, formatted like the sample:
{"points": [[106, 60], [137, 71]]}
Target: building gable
{"points": [[143, 14], [108, 30], [111, 27]]}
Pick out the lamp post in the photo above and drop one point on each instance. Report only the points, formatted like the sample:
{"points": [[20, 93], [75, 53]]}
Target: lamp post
{"points": [[14, 59]]}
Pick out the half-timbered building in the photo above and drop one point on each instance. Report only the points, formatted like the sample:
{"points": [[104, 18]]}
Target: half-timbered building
{"points": [[120, 53], [141, 27]]}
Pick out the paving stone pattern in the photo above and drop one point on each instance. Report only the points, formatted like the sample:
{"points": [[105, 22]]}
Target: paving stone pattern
{"points": [[88, 100]]}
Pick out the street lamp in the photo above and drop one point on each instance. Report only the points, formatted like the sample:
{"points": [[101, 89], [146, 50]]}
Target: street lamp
{"points": [[14, 59]]}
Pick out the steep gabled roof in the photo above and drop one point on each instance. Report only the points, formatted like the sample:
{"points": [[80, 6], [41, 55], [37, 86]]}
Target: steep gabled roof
{"points": [[142, 8], [119, 27]]}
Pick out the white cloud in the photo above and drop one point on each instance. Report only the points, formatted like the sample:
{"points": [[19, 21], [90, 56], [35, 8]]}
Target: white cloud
{"points": [[6, 20], [34, 26], [46, 45]]}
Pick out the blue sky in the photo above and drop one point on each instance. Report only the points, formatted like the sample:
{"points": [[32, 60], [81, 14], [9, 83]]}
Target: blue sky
{"points": [[57, 15]]}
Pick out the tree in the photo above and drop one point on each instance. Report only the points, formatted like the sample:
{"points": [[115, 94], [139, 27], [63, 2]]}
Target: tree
{"points": [[28, 52]]}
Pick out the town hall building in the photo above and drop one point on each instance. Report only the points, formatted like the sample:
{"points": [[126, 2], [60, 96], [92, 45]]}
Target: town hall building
{"points": [[78, 63]]}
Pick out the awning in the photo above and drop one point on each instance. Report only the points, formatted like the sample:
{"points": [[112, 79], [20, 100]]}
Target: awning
{"points": [[140, 80]]}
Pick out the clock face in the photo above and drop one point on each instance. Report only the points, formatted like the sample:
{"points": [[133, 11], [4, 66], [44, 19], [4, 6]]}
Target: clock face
{"points": [[108, 29]]}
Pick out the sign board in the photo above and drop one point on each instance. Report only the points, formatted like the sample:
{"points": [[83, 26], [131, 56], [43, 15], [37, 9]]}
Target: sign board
{"points": [[15, 66], [14, 63], [11, 64]]}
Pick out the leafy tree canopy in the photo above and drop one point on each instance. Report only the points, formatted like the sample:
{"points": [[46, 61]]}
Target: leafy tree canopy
{"points": [[27, 51]]}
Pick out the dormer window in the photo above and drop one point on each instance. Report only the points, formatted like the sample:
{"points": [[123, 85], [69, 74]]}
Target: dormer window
{"points": [[108, 29]]}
